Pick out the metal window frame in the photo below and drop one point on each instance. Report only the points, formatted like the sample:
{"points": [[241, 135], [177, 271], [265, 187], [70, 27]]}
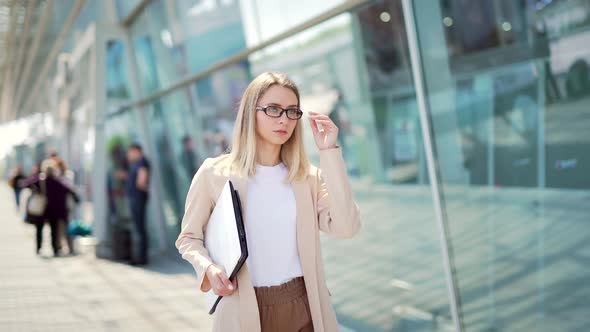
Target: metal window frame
{"points": [[132, 17], [6, 100], [50, 60], [433, 169], [31, 4], [32, 53]]}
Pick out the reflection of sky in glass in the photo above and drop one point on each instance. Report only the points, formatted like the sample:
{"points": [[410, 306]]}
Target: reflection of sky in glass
{"points": [[24, 130], [12, 133], [303, 37], [264, 19]]}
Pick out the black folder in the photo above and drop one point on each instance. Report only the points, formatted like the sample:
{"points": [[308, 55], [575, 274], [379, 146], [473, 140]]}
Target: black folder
{"points": [[225, 237]]}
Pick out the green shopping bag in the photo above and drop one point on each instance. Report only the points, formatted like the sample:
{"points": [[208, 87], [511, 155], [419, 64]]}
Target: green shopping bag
{"points": [[77, 228]]}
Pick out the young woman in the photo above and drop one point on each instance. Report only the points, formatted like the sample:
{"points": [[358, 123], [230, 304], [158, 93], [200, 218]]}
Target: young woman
{"points": [[286, 202], [56, 190]]}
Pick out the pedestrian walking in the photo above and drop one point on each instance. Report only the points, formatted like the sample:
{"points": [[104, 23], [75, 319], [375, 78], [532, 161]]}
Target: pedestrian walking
{"points": [[55, 190]]}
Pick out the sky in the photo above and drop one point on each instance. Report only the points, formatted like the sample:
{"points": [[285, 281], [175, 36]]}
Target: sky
{"points": [[18, 132], [12, 134]]}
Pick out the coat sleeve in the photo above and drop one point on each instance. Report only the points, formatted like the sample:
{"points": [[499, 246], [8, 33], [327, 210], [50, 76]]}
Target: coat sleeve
{"points": [[70, 190], [30, 182], [338, 213], [190, 242]]}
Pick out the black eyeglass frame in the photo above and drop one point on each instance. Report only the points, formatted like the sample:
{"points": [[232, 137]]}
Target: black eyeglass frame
{"points": [[264, 108]]}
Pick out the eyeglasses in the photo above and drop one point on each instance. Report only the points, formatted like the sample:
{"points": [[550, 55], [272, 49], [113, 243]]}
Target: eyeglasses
{"points": [[277, 112]]}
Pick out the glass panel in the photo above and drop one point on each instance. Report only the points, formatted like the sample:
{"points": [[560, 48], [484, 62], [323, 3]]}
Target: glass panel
{"points": [[77, 134], [264, 19], [117, 81], [508, 86], [218, 35], [172, 128], [166, 34], [217, 100], [120, 131], [125, 7], [148, 70], [163, 141]]}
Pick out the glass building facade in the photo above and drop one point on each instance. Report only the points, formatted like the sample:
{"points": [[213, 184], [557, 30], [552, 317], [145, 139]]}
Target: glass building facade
{"points": [[464, 124]]}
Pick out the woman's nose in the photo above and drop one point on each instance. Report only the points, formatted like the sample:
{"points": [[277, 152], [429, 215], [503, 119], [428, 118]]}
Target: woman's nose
{"points": [[283, 118]]}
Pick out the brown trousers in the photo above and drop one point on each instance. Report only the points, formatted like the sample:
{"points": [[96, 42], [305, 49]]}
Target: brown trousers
{"points": [[284, 308]]}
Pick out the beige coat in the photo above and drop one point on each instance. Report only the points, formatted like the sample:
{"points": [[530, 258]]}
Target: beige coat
{"points": [[324, 202]]}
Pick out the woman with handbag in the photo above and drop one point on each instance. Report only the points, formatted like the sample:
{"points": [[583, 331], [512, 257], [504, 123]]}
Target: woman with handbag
{"points": [[35, 191], [48, 202], [286, 202]]}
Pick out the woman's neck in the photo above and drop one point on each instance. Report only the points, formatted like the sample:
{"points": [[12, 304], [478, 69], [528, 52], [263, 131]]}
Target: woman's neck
{"points": [[268, 154]]}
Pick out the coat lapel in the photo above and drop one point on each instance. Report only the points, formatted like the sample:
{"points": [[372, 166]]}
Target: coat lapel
{"points": [[248, 311], [307, 231]]}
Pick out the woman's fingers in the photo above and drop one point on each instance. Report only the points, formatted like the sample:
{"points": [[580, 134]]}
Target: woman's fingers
{"points": [[219, 281], [326, 136], [314, 126], [226, 283], [222, 285], [220, 288], [318, 116], [326, 124], [324, 120]]}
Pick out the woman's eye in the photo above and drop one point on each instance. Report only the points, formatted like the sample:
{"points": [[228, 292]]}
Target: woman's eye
{"points": [[273, 110]]}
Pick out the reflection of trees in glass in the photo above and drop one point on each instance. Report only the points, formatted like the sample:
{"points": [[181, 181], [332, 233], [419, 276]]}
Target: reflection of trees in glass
{"points": [[473, 26], [116, 148], [218, 135], [189, 157], [387, 62], [166, 160], [116, 177], [116, 79]]}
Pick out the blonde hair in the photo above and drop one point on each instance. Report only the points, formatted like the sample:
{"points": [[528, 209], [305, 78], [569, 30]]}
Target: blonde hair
{"points": [[242, 158], [49, 167]]}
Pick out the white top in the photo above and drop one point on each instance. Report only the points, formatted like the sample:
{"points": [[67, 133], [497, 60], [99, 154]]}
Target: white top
{"points": [[271, 228]]}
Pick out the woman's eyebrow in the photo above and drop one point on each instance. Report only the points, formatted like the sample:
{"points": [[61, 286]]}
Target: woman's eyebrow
{"points": [[279, 105]]}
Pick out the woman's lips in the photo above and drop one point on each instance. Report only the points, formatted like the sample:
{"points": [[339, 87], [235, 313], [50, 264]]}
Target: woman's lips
{"points": [[281, 132]]}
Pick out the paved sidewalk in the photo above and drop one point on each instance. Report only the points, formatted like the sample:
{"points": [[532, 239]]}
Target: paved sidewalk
{"points": [[82, 293]]}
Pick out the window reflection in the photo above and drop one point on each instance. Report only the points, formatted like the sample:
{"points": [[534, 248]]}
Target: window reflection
{"points": [[519, 84]]}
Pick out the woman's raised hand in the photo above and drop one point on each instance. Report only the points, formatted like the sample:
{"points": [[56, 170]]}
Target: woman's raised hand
{"points": [[327, 136]]}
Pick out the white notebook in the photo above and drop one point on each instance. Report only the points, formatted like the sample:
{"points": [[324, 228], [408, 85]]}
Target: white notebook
{"points": [[225, 237]]}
